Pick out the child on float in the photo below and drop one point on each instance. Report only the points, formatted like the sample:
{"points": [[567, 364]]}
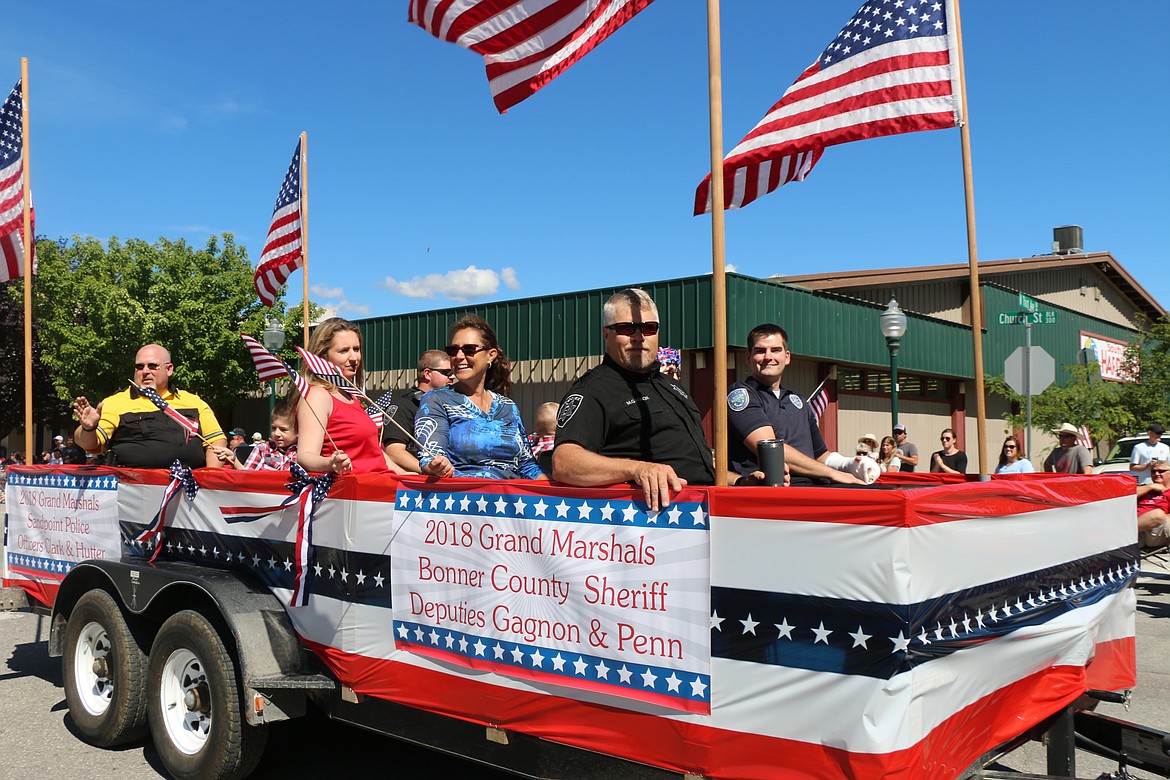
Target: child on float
{"points": [[276, 454]]}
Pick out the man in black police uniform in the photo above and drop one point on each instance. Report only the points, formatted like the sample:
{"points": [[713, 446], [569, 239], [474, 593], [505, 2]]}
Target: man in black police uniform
{"points": [[433, 370], [624, 421], [762, 408]]}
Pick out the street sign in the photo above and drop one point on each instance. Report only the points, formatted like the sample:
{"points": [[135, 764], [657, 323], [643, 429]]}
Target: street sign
{"points": [[1040, 317], [1043, 370], [1027, 303]]}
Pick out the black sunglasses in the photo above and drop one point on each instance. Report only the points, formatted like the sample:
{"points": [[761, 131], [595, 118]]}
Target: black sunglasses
{"points": [[1009, 446], [1158, 471], [151, 366], [444, 371], [630, 328], [467, 349]]}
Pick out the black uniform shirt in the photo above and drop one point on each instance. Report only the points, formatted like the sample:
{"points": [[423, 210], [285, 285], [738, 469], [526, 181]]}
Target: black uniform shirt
{"points": [[647, 417], [402, 409], [750, 406]]}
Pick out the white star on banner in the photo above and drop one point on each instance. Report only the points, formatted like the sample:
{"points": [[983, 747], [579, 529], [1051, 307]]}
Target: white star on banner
{"points": [[288, 564], [540, 507], [784, 629], [607, 512], [698, 688], [379, 579], [317, 569], [672, 683], [332, 572], [344, 576], [537, 660], [625, 674], [404, 500], [652, 516], [433, 501], [464, 504], [602, 671], [860, 638], [579, 666], [450, 639], [501, 505], [699, 516], [649, 678], [272, 565], [403, 632], [822, 633], [716, 621], [629, 513], [519, 506], [463, 645], [901, 643], [749, 625], [498, 650], [479, 647], [673, 515], [434, 635], [562, 509], [361, 577], [418, 501], [449, 504], [558, 662], [418, 633], [584, 511], [481, 504]]}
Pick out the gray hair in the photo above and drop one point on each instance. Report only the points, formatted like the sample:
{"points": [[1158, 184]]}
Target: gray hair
{"points": [[635, 297]]}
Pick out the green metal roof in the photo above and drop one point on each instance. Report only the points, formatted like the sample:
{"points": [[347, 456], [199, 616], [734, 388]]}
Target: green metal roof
{"points": [[820, 324]]}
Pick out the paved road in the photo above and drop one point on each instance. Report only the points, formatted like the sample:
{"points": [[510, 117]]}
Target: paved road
{"points": [[36, 741]]}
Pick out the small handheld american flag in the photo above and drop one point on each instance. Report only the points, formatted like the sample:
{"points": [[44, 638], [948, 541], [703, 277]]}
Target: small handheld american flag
{"points": [[268, 366], [190, 427]]}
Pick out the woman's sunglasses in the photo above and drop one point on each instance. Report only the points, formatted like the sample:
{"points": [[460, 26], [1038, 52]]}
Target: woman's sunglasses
{"points": [[468, 350]]}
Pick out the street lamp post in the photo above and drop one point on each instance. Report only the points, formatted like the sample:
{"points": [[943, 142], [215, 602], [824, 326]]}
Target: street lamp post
{"points": [[273, 341], [893, 325]]}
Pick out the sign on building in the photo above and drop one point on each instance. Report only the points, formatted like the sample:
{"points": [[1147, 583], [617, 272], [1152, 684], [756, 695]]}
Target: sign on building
{"points": [[1110, 355]]}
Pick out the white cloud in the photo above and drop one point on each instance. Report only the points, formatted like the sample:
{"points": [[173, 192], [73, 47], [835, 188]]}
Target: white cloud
{"points": [[333, 300], [462, 284]]}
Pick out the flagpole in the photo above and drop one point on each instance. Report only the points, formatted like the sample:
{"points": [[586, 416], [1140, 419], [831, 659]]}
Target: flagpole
{"points": [[305, 233], [29, 251], [972, 252], [718, 250]]}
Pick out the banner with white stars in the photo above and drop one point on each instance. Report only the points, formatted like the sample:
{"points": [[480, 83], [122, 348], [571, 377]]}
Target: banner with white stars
{"points": [[56, 521], [592, 593]]}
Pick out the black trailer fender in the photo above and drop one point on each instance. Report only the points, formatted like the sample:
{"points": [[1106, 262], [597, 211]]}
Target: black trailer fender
{"points": [[277, 673]]}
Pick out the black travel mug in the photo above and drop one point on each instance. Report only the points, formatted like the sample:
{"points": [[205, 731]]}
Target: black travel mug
{"points": [[771, 458]]}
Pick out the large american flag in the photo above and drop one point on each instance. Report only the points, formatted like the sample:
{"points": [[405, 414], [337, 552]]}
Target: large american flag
{"points": [[11, 188], [282, 249], [525, 43], [892, 69]]}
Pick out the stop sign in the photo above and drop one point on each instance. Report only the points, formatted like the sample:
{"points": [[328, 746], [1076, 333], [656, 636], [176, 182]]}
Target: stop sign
{"points": [[1042, 369]]}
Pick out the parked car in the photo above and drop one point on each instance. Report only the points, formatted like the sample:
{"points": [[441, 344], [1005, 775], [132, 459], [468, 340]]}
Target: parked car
{"points": [[1119, 456]]}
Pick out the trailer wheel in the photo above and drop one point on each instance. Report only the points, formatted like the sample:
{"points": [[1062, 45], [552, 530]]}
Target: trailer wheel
{"points": [[104, 673], [193, 704]]}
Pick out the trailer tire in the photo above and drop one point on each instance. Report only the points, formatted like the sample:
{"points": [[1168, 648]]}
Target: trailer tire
{"points": [[103, 669], [193, 704]]}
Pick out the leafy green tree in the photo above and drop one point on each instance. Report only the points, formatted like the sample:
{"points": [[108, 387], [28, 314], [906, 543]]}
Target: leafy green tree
{"points": [[1148, 358], [98, 304], [1083, 401], [48, 409]]}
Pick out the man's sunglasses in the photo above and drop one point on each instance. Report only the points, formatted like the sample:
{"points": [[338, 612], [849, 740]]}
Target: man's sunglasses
{"points": [[468, 350], [630, 328], [151, 366], [447, 372], [1156, 472]]}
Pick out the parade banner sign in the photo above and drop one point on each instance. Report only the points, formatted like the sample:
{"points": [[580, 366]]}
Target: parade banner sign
{"points": [[57, 520], [591, 593]]}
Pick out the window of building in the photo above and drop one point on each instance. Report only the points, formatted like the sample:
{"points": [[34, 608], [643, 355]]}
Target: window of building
{"points": [[878, 383]]}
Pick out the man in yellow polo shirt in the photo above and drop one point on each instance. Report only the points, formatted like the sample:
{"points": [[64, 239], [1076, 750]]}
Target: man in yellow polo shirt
{"points": [[134, 432]]}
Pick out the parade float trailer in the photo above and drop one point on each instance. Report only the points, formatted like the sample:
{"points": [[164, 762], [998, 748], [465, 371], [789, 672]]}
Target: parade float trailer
{"points": [[907, 630]]}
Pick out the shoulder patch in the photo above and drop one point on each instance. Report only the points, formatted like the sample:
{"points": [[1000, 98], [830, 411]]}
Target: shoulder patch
{"points": [[392, 410], [799, 404], [568, 408], [737, 399]]}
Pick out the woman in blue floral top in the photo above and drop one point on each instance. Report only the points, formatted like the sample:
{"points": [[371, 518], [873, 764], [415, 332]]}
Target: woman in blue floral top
{"points": [[471, 428]]}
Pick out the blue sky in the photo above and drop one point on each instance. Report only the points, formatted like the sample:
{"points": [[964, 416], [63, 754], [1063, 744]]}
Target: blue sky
{"points": [[179, 120]]}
